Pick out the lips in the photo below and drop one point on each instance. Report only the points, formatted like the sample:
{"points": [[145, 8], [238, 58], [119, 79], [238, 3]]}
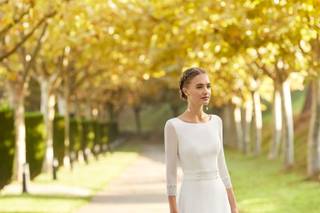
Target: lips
{"points": [[205, 98]]}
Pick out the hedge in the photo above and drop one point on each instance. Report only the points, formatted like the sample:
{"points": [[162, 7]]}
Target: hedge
{"points": [[6, 146], [83, 134]]}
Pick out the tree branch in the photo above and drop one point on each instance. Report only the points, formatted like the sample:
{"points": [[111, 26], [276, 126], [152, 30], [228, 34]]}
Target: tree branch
{"points": [[26, 37], [35, 52], [15, 21]]}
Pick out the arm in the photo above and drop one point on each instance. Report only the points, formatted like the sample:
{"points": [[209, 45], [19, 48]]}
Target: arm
{"points": [[171, 155], [224, 174]]}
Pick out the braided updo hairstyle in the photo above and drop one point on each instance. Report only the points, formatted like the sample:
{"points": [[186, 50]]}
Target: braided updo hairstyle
{"points": [[186, 77]]}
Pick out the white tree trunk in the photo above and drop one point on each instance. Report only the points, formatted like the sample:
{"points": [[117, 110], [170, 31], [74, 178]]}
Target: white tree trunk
{"points": [[66, 158], [20, 132], [47, 109], [257, 122], [247, 132], [237, 120], [313, 167], [228, 125], [61, 105], [277, 124], [288, 125]]}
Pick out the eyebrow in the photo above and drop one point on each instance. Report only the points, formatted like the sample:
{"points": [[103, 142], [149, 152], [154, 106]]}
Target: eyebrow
{"points": [[202, 84]]}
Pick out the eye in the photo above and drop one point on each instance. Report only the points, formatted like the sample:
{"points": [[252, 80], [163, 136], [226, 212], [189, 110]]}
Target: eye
{"points": [[208, 86]]}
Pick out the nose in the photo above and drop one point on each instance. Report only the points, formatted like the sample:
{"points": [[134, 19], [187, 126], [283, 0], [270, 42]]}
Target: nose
{"points": [[207, 90]]}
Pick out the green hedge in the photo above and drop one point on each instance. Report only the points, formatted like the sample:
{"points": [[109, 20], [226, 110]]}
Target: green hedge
{"points": [[35, 136], [6, 146], [83, 134], [113, 131], [35, 146], [75, 136], [58, 138]]}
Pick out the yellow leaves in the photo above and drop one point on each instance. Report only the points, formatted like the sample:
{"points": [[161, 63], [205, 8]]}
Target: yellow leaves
{"points": [[216, 65], [12, 76], [146, 76], [175, 30], [282, 65], [110, 30], [158, 74], [206, 45], [307, 7], [217, 48], [115, 78], [116, 36], [25, 25], [201, 26], [305, 45], [262, 50], [112, 5], [78, 21], [3, 72], [31, 13], [280, 2], [308, 33], [248, 32], [132, 79], [252, 52], [129, 32], [214, 17], [222, 3], [224, 60]]}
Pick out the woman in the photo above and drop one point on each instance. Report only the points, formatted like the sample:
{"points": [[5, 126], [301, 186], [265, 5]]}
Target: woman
{"points": [[195, 139]]}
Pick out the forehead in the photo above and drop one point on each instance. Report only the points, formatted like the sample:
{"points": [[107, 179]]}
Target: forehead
{"points": [[200, 79]]}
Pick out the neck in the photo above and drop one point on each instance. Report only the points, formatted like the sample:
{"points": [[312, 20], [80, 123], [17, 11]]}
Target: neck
{"points": [[195, 111]]}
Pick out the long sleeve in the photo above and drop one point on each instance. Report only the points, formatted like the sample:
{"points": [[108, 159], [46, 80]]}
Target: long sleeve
{"points": [[171, 157], [223, 170]]}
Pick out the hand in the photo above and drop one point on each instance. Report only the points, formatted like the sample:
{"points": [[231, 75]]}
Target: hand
{"points": [[235, 210]]}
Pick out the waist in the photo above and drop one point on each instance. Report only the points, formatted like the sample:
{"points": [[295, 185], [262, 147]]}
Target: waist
{"points": [[201, 175]]}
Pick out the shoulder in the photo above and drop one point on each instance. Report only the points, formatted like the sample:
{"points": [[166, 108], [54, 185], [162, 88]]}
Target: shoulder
{"points": [[217, 117], [170, 122], [170, 127]]}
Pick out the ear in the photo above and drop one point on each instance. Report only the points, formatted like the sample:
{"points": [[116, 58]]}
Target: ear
{"points": [[185, 91]]}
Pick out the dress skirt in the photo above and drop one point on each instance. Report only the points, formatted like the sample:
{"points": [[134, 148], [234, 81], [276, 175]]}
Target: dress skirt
{"points": [[203, 196]]}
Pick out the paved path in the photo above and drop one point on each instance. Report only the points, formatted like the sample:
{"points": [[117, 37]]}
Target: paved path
{"points": [[139, 189]]}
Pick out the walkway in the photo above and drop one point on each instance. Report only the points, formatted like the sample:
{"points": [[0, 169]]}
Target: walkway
{"points": [[140, 188]]}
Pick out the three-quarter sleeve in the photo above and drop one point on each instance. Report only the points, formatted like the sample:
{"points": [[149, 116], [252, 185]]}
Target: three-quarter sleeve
{"points": [[171, 157], [222, 166]]}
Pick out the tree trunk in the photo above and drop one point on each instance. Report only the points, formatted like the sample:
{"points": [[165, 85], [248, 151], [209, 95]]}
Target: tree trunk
{"points": [[257, 122], [20, 132], [308, 100], [247, 127], [61, 105], [111, 111], [66, 158], [277, 123], [313, 168], [237, 120], [288, 125], [137, 110], [228, 125], [48, 111]]}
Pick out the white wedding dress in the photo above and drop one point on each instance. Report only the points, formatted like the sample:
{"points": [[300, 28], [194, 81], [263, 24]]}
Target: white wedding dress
{"points": [[198, 148]]}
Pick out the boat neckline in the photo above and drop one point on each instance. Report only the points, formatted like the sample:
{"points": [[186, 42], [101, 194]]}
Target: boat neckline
{"points": [[211, 118]]}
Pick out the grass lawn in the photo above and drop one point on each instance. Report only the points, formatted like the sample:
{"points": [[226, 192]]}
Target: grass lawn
{"points": [[83, 181], [261, 187]]}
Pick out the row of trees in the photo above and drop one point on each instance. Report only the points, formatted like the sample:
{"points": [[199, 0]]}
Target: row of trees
{"points": [[95, 56]]}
